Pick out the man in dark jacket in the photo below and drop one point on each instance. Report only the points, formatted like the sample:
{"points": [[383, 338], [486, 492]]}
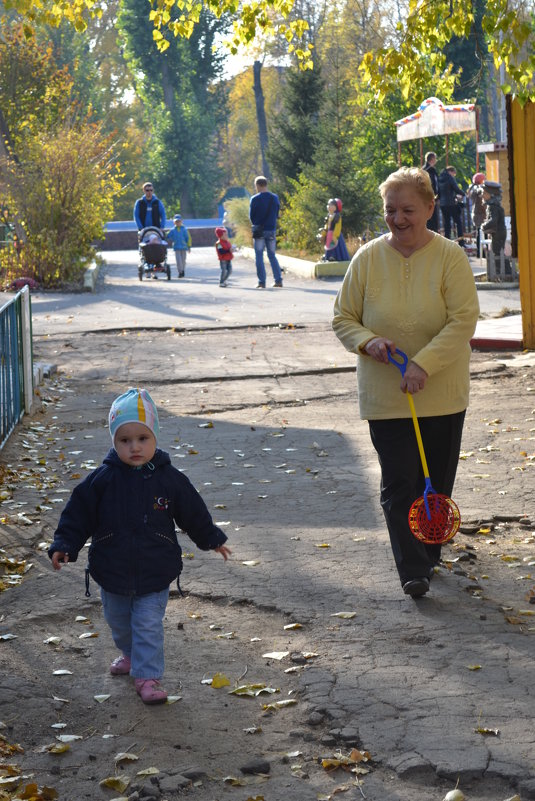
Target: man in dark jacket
{"points": [[451, 194], [263, 213], [149, 210], [430, 161]]}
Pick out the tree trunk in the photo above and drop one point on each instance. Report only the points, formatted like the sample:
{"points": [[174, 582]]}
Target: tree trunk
{"points": [[167, 85], [261, 117]]}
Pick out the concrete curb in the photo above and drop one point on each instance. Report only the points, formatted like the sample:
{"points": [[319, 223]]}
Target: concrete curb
{"points": [[90, 277], [41, 370], [496, 284], [306, 269], [324, 269], [496, 343], [303, 268]]}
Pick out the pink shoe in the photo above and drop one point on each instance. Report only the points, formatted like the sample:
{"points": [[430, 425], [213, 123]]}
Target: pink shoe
{"points": [[150, 691], [120, 666]]}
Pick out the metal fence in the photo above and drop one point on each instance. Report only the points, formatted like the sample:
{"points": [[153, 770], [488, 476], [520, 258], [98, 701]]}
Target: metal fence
{"points": [[16, 362]]}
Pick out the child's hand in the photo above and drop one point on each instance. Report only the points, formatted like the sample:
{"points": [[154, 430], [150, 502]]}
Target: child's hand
{"points": [[59, 558], [223, 550]]}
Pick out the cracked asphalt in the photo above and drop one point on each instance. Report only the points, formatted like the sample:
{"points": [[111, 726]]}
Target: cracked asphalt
{"points": [[258, 407]]}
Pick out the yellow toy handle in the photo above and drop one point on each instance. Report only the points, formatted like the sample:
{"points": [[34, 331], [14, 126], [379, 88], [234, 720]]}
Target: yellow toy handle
{"points": [[418, 436], [400, 360]]}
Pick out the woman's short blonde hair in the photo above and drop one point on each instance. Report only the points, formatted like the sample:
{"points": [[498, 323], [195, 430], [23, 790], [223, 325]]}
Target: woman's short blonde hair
{"points": [[411, 177]]}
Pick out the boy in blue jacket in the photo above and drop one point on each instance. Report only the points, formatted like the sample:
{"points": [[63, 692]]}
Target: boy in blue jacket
{"points": [[180, 239], [129, 506]]}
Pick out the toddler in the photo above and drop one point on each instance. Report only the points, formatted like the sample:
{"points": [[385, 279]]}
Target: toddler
{"points": [[180, 239], [128, 507], [223, 248]]}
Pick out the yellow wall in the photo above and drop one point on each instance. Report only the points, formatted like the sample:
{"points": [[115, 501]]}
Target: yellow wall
{"points": [[497, 169], [522, 138]]}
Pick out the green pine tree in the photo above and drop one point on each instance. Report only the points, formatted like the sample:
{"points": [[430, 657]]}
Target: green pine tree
{"points": [[293, 131]]}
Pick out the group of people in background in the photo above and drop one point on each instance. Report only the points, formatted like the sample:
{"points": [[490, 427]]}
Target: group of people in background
{"points": [[487, 212], [149, 213], [487, 216]]}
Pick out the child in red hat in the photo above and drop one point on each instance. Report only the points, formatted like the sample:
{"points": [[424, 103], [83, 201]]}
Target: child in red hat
{"points": [[225, 255]]}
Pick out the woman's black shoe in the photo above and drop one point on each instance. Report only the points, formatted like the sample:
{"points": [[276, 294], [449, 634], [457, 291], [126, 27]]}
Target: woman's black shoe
{"points": [[416, 587]]}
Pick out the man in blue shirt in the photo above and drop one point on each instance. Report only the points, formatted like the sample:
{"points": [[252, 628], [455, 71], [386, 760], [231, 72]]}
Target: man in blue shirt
{"points": [[149, 210], [263, 212]]}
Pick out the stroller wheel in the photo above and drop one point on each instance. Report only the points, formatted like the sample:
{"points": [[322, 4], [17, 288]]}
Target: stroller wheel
{"points": [[168, 271], [140, 272]]}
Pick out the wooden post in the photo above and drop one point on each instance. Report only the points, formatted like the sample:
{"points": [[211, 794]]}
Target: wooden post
{"points": [[522, 143]]}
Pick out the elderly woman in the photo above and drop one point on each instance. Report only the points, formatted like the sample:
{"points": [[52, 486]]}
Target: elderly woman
{"points": [[414, 290]]}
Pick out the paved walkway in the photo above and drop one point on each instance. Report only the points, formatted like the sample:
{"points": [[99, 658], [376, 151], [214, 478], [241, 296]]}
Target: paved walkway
{"points": [[197, 301], [258, 407]]}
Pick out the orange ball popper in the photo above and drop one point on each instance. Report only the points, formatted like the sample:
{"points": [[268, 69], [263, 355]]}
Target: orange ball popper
{"points": [[433, 518]]}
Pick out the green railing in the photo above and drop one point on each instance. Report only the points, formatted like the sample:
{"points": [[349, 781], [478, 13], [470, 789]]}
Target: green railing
{"points": [[16, 362]]}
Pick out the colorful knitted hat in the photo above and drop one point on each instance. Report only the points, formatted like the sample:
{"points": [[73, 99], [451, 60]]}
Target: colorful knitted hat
{"points": [[134, 406]]}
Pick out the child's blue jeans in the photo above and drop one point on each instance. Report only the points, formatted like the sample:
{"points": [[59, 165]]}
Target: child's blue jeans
{"points": [[136, 623], [226, 269]]}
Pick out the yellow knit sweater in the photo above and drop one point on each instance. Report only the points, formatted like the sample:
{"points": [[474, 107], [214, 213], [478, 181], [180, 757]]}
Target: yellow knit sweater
{"points": [[427, 304]]}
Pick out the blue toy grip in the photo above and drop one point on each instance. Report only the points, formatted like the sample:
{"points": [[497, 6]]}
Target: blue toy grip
{"points": [[401, 365]]}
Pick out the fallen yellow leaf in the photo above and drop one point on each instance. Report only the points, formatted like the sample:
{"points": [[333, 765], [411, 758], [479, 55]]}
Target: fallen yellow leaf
{"points": [[58, 748], [120, 782], [276, 655], [279, 704], [148, 772], [124, 756], [234, 781], [487, 732], [220, 680]]}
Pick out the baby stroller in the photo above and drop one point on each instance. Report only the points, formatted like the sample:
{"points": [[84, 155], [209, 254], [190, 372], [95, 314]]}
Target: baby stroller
{"points": [[152, 253]]}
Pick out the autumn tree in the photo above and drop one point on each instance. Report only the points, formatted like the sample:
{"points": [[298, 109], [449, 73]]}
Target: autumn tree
{"points": [[33, 91], [68, 184], [411, 59], [59, 174], [416, 55]]}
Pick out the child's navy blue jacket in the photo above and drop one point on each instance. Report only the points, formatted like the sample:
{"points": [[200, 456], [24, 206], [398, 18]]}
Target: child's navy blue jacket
{"points": [[130, 514]]}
